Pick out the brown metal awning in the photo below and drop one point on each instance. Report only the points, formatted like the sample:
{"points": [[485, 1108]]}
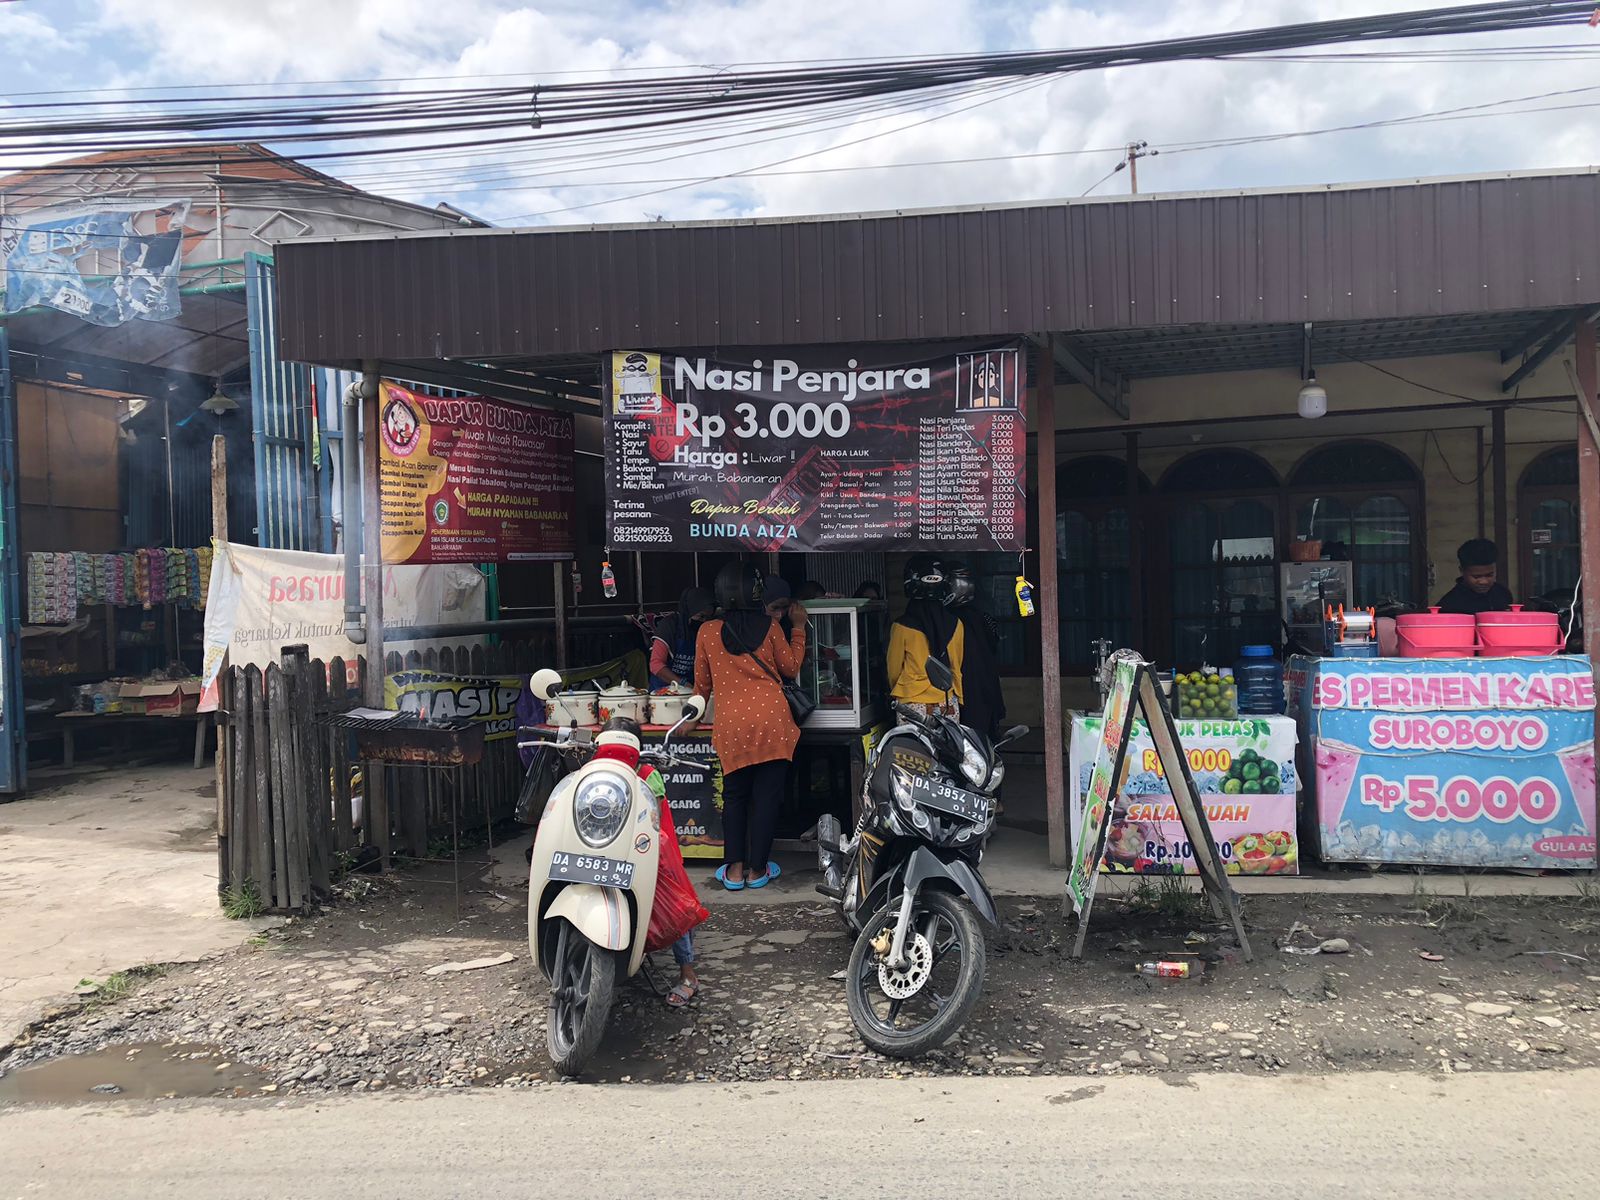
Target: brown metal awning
{"points": [[1432, 266]]}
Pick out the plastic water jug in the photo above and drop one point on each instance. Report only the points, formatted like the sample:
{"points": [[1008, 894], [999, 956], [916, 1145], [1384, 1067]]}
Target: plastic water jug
{"points": [[1259, 676]]}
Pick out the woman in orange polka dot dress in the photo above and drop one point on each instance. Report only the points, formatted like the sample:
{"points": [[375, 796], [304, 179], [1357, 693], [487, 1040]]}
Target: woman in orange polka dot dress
{"points": [[739, 658]]}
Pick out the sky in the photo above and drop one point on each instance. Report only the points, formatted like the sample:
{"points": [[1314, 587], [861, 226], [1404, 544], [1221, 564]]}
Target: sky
{"points": [[1053, 139]]}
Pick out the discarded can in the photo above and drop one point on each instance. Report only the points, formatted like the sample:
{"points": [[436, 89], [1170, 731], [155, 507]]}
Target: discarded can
{"points": [[1165, 969]]}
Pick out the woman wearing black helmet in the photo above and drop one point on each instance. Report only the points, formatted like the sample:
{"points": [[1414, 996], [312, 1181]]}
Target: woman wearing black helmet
{"points": [[983, 703], [927, 628], [739, 661]]}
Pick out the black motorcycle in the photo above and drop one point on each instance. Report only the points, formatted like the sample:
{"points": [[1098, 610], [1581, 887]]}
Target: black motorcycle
{"points": [[908, 881]]}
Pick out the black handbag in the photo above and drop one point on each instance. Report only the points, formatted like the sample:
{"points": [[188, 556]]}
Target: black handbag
{"points": [[801, 706]]}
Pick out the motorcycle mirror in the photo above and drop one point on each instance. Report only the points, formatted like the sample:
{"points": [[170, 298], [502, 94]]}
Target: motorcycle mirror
{"points": [[694, 708], [939, 674], [545, 684], [1015, 732]]}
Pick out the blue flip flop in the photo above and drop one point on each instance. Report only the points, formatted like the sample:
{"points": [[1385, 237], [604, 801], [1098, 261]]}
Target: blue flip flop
{"points": [[721, 876], [773, 871]]}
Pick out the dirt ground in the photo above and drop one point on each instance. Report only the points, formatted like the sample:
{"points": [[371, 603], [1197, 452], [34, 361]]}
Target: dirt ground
{"points": [[344, 1000]]}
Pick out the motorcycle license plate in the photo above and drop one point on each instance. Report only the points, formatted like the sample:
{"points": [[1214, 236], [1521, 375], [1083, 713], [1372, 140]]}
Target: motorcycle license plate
{"points": [[947, 798], [589, 868]]}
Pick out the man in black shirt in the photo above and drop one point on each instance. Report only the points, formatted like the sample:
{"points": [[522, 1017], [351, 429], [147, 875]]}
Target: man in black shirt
{"points": [[1479, 589]]}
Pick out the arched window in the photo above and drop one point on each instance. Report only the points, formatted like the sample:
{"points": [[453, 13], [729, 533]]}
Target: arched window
{"points": [[1222, 550], [1361, 500], [1092, 549], [1547, 504]]}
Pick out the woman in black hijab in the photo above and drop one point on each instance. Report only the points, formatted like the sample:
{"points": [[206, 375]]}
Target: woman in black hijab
{"points": [[983, 702], [672, 647], [926, 629]]}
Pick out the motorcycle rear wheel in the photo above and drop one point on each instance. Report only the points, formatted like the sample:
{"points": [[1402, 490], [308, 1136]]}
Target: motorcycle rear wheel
{"points": [[583, 979], [878, 1017]]}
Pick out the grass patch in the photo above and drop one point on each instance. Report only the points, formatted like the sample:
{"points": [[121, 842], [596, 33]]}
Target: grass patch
{"points": [[119, 986], [1167, 898], [242, 901]]}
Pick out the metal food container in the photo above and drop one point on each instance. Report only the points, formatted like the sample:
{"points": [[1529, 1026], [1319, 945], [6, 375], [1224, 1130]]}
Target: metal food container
{"points": [[624, 701], [574, 708]]}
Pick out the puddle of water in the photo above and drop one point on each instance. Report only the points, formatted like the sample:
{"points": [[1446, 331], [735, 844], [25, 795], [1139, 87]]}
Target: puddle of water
{"points": [[156, 1072]]}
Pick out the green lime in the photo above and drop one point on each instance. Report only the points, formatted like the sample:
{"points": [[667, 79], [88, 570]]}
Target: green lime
{"points": [[1213, 689], [1252, 787], [1248, 756], [1232, 787], [1252, 770], [1271, 785]]}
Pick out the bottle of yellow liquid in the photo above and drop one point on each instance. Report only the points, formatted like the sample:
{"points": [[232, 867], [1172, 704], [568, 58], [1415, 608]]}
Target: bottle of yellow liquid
{"points": [[1024, 596]]}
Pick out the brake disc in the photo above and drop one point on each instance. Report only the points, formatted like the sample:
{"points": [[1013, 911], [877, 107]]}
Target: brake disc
{"points": [[907, 981]]}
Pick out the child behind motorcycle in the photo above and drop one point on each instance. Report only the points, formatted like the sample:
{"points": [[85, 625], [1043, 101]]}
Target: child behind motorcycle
{"points": [[622, 741]]}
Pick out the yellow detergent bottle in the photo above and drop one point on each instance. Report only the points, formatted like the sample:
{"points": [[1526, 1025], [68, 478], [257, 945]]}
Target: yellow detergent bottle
{"points": [[1024, 596]]}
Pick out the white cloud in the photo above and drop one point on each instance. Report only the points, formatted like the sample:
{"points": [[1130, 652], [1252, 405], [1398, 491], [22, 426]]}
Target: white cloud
{"points": [[184, 41]]}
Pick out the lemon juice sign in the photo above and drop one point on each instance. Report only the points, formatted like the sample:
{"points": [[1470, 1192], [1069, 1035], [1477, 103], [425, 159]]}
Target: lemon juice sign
{"points": [[1244, 772]]}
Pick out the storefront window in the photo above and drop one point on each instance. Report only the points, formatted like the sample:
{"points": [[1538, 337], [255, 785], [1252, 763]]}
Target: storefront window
{"points": [[1093, 536], [1548, 527], [1361, 500], [1374, 533], [1093, 551], [1224, 579]]}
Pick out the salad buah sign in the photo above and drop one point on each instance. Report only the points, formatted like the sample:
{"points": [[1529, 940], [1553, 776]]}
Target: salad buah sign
{"points": [[1244, 769], [1135, 693]]}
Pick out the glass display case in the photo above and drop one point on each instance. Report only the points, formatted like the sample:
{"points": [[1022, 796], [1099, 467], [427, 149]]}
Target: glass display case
{"points": [[844, 670]]}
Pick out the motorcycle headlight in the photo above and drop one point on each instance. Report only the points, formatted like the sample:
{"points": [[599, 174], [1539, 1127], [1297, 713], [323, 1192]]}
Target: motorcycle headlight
{"points": [[600, 807], [996, 777], [900, 784], [974, 765]]}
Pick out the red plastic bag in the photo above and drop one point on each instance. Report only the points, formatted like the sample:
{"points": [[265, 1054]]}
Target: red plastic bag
{"points": [[677, 909]]}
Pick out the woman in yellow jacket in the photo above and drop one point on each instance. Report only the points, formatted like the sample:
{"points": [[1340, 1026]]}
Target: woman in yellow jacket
{"points": [[926, 629]]}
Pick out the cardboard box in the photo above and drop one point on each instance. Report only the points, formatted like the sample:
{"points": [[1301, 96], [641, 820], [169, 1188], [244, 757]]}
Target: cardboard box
{"points": [[162, 698]]}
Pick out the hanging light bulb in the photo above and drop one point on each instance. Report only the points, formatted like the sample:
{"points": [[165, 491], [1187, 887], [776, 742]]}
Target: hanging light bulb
{"points": [[219, 401], [1313, 401]]}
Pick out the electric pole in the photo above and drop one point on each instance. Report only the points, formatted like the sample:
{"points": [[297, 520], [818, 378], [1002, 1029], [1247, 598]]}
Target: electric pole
{"points": [[1136, 151]]}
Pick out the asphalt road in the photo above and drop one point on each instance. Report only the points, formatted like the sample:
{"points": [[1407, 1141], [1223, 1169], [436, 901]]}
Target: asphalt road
{"points": [[1359, 1135]]}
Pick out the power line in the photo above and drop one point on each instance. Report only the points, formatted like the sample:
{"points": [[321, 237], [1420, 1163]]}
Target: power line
{"points": [[563, 110]]}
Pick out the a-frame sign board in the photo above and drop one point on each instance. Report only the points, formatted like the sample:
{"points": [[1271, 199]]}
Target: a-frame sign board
{"points": [[1136, 692]]}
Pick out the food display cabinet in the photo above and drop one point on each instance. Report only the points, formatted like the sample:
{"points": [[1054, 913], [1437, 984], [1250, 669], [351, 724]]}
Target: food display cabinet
{"points": [[844, 669]]}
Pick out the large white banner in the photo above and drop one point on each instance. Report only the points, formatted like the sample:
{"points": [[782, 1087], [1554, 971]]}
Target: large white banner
{"points": [[260, 601]]}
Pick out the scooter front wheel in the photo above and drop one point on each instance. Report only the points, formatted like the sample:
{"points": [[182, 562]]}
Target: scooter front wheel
{"points": [[583, 979]]}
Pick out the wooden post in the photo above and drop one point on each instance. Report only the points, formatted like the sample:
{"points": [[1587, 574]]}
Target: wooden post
{"points": [[227, 696], [1588, 368], [558, 577], [377, 805], [1049, 605], [1502, 525]]}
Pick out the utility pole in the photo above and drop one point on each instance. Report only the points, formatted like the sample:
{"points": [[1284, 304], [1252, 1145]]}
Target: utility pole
{"points": [[1136, 151]]}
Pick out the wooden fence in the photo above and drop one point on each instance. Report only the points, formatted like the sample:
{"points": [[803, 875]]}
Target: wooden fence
{"points": [[290, 816]]}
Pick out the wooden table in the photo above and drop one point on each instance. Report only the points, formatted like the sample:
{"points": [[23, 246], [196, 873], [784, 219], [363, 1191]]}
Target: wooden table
{"points": [[67, 725]]}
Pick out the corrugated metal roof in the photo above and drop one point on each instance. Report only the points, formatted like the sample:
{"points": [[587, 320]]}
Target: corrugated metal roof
{"points": [[1410, 250]]}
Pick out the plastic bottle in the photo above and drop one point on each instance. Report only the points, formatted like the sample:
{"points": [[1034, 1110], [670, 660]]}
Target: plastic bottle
{"points": [[1258, 676], [1169, 969], [608, 580], [1024, 597]]}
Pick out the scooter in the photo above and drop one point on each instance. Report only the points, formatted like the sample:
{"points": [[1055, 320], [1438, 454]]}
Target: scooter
{"points": [[909, 881], [592, 885]]}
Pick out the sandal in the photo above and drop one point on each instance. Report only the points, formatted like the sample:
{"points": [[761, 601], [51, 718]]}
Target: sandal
{"points": [[773, 871], [680, 995], [721, 876]]}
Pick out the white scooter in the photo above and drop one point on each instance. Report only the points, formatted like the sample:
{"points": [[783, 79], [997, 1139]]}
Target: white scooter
{"points": [[592, 884]]}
